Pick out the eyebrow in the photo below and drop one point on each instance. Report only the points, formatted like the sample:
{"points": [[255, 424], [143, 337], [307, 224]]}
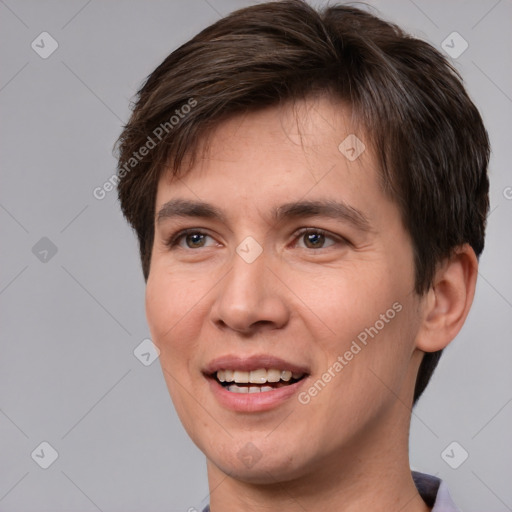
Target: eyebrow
{"points": [[187, 208], [300, 209], [337, 210]]}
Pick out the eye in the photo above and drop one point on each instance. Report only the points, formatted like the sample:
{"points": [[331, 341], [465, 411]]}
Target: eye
{"points": [[315, 238], [312, 238], [188, 239]]}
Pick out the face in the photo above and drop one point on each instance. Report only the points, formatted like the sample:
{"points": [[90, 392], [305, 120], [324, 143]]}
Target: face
{"points": [[281, 296]]}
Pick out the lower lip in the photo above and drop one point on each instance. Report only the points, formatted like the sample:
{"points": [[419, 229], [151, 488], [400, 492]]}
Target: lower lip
{"points": [[254, 402]]}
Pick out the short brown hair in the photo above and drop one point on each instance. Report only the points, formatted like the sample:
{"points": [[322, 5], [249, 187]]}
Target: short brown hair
{"points": [[430, 140]]}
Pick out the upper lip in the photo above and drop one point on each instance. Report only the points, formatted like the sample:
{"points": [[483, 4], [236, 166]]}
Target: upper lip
{"points": [[231, 362]]}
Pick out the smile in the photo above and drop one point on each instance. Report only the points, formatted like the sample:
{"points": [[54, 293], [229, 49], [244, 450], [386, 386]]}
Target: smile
{"points": [[256, 381]]}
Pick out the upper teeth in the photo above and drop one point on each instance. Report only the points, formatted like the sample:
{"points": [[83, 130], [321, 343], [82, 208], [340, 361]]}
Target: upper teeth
{"points": [[260, 376]]}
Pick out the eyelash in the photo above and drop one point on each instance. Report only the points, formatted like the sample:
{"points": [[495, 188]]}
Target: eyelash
{"points": [[175, 239]]}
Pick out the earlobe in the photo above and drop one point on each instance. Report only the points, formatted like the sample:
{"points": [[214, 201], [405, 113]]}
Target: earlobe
{"points": [[447, 303]]}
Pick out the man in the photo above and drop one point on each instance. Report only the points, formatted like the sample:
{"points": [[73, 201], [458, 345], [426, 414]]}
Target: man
{"points": [[309, 190]]}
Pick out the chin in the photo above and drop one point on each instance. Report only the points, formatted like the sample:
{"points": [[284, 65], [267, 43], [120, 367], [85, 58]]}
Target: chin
{"points": [[251, 465]]}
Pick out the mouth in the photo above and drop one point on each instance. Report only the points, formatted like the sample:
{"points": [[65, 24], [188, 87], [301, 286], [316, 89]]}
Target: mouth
{"points": [[261, 380], [255, 383]]}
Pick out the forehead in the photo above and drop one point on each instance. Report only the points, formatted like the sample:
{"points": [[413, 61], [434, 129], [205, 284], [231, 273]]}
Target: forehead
{"points": [[293, 147]]}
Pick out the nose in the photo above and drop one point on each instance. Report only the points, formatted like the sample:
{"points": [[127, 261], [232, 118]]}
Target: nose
{"points": [[250, 298]]}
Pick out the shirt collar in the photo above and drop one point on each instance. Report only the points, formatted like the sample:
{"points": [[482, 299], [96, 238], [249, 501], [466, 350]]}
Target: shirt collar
{"points": [[434, 492]]}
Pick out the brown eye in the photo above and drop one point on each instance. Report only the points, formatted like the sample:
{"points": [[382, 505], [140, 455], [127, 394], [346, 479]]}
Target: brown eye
{"points": [[190, 239], [316, 239], [195, 240]]}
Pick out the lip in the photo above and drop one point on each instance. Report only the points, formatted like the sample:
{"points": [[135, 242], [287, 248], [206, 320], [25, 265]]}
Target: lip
{"points": [[230, 362], [253, 402]]}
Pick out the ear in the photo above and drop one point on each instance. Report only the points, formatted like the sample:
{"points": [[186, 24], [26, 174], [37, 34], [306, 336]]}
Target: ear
{"points": [[446, 304]]}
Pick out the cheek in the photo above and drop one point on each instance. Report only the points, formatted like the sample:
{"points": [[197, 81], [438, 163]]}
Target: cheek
{"points": [[366, 312], [173, 310], [173, 303], [346, 300]]}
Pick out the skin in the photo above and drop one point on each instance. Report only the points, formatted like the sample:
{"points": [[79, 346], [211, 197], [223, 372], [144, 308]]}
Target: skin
{"points": [[304, 299]]}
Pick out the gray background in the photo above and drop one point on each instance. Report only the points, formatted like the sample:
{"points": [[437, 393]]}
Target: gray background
{"points": [[71, 322]]}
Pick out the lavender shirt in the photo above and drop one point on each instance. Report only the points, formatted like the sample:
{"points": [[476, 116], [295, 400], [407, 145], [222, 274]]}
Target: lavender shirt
{"points": [[433, 491]]}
